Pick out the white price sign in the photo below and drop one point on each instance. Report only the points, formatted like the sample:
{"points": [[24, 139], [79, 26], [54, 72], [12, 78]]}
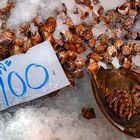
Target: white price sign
{"points": [[29, 76]]}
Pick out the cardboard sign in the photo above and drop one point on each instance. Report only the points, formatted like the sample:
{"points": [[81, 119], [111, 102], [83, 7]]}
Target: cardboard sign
{"points": [[28, 76]]}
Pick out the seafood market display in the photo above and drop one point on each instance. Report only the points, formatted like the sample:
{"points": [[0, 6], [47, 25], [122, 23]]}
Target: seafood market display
{"points": [[79, 47]]}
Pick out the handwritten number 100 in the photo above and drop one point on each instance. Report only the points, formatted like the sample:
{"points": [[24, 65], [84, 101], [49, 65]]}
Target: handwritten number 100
{"points": [[24, 89]]}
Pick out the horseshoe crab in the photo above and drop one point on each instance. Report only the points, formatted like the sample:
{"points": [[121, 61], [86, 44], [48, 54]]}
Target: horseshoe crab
{"points": [[117, 93]]}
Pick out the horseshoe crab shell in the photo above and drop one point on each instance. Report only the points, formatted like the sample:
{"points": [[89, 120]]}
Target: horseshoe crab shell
{"points": [[112, 90]]}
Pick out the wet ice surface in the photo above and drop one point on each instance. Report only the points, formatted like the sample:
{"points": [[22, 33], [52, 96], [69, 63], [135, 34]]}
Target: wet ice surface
{"points": [[58, 118], [136, 60], [111, 4]]}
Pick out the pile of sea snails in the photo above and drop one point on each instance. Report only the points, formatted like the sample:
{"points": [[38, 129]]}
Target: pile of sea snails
{"points": [[119, 40]]}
